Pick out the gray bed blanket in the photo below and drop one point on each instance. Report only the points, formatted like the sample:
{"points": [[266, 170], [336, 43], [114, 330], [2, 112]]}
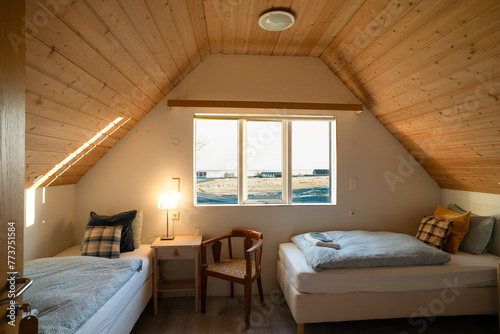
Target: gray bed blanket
{"points": [[67, 291], [360, 249]]}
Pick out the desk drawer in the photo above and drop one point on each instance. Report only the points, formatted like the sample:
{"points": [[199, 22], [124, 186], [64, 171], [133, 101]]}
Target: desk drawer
{"points": [[182, 252]]}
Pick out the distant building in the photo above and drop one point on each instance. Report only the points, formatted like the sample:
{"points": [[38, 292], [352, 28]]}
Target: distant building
{"points": [[270, 174], [201, 175], [321, 172]]}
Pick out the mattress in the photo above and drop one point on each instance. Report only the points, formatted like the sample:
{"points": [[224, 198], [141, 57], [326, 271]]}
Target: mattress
{"points": [[464, 270], [104, 319]]}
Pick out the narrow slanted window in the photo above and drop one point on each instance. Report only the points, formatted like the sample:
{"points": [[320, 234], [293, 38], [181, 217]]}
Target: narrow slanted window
{"points": [[264, 160]]}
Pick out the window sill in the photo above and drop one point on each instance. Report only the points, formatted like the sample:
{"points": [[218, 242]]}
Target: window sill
{"points": [[264, 205]]}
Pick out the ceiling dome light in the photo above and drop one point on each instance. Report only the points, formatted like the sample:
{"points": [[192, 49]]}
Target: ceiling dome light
{"points": [[276, 20]]}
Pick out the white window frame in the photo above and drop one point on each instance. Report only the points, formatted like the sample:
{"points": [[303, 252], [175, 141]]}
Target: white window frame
{"points": [[242, 163], [286, 121]]}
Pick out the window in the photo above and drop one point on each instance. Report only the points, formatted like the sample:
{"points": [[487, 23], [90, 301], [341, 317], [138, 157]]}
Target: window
{"points": [[216, 152], [264, 160], [311, 162]]}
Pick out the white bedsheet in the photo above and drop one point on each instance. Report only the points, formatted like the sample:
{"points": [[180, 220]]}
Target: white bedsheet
{"points": [[464, 270], [105, 318]]}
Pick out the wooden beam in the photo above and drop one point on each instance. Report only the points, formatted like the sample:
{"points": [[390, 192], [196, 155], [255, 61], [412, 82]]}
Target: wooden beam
{"points": [[358, 108]]}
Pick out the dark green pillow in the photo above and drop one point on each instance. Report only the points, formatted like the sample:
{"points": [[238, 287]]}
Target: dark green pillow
{"points": [[124, 219]]}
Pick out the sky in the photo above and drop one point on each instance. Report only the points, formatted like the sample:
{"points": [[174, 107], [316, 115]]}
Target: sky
{"points": [[217, 147]]}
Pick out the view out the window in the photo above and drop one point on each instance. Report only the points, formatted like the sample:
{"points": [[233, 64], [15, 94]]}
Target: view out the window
{"points": [[264, 160], [311, 162], [275, 167], [216, 156]]}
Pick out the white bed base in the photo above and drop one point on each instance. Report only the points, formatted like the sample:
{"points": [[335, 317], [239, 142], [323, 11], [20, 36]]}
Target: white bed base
{"points": [[311, 308], [133, 306], [133, 311]]}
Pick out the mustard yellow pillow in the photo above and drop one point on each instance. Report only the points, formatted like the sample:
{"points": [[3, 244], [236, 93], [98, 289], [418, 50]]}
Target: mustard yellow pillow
{"points": [[459, 228]]}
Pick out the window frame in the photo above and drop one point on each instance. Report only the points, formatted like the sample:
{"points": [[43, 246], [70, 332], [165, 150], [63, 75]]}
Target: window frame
{"points": [[243, 167], [286, 142]]}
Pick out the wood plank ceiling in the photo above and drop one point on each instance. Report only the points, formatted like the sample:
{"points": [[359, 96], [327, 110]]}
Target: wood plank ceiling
{"points": [[427, 69]]}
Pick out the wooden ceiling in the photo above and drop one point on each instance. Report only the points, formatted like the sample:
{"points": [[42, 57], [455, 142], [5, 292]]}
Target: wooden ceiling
{"points": [[427, 69]]}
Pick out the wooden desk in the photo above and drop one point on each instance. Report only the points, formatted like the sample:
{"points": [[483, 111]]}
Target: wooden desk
{"points": [[181, 248]]}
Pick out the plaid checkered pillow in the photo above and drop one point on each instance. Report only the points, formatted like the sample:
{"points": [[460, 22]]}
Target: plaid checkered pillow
{"points": [[434, 231], [102, 241]]}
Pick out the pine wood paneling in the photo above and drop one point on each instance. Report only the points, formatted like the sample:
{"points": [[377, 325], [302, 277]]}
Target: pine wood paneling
{"points": [[41, 55], [63, 39], [365, 15], [198, 22], [428, 70], [12, 80], [336, 24], [466, 25], [213, 23], [98, 37], [245, 22], [117, 21], [140, 16], [259, 39]]}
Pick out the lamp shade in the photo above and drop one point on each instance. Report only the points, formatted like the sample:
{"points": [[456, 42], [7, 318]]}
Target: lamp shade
{"points": [[276, 20], [167, 201]]}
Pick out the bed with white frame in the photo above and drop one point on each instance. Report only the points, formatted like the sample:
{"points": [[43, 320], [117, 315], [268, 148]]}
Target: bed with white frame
{"points": [[466, 285], [114, 291]]}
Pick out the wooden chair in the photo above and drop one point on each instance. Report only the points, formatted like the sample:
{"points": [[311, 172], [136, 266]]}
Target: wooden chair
{"points": [[236, 270]]}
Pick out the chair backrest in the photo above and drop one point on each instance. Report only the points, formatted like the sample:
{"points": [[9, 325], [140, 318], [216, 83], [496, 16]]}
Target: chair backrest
{"points": [[249, 235], [253, 252], [243, 232]]}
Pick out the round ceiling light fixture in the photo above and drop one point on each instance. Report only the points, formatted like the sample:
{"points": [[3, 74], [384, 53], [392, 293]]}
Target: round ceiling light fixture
{"points": [[276, 20]]}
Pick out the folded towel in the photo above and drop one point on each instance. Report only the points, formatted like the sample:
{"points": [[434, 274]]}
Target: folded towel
{"points": [[320, 243], [320, 236]]}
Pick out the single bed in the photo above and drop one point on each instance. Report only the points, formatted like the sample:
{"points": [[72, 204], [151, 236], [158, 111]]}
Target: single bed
{"points": [[120, 312], [466, 285]]}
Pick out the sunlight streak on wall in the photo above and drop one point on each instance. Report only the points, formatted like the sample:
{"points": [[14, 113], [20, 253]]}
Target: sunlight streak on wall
{"points": [[76, 153], [30, 207]]}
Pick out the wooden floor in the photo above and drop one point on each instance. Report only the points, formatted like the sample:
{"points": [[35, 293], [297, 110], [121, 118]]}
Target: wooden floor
{"points": [[225, 316]]}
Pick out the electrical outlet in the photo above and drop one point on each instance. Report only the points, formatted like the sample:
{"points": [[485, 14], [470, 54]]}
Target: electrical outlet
{"points": [[352, 212], [175, 215]]}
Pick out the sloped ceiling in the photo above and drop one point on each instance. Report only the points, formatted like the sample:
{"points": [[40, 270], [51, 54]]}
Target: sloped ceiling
{"points": [[428, 70]]}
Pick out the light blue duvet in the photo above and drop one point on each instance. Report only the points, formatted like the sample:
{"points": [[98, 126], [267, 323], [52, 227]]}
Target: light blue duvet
{"points": [[360, 249], [67, 291]]}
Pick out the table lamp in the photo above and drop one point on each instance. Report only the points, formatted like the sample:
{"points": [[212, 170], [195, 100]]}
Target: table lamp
{"points": [[166, 202]]}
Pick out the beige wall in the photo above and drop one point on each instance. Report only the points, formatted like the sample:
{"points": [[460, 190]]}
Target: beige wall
{"points": [[479, 203], [134, 172], [52, 231]]}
